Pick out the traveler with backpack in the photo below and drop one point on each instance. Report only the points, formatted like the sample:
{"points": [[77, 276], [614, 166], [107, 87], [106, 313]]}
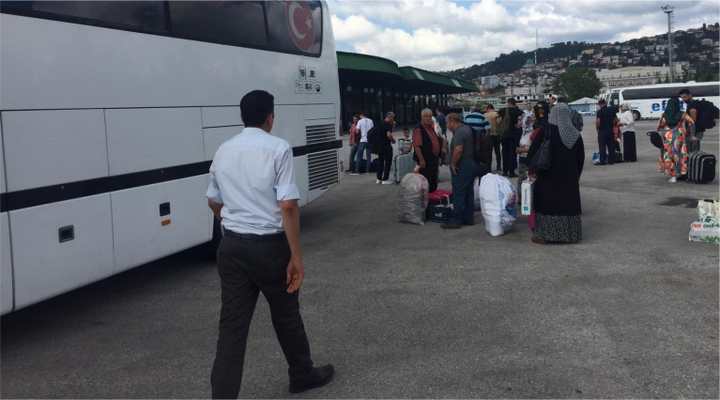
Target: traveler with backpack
{"points": [[428, 149], [703, 113], [364, 125], [464, 167], [605, 123]]}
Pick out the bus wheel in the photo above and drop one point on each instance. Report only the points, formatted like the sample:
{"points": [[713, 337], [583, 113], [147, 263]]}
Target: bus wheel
{"points": [[636, 115]]}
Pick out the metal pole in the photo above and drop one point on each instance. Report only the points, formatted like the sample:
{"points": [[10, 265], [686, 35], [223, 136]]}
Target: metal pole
{"points": [[668, 9]]}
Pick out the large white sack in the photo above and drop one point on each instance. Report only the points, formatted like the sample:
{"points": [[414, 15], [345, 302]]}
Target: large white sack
{"points": [[413, 199], [498, 201]]}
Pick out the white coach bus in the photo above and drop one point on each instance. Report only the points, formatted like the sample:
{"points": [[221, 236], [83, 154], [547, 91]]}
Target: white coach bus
{"points": [[110, 113], [649, 101]]}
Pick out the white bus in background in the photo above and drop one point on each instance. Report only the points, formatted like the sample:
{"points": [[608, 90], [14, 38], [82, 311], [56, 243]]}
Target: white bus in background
{"points": [[110, 113], [649, 102]]}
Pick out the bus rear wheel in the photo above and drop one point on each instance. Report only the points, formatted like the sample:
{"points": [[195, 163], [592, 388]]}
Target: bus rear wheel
{"points": [[636, 115]]}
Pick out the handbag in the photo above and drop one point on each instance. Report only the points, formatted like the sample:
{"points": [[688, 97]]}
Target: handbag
{"points": [[542, 159]]}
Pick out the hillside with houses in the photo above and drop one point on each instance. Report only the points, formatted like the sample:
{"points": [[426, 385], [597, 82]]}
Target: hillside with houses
{"points": [[696, 53]]}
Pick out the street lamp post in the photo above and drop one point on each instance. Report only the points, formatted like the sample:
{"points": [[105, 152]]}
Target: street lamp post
{"points": [[668, 9]]}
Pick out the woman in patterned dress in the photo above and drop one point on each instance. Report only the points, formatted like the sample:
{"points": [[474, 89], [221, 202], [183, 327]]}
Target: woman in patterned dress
{"points": [[673, 129], [556, 192]]}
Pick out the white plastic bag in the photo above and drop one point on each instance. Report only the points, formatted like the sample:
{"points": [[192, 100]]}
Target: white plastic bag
{"points": [[413, 199], [708, 211], [498, 202]]}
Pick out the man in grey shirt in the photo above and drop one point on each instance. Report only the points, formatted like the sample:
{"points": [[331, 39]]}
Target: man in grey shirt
{"points": [[464, 169]]}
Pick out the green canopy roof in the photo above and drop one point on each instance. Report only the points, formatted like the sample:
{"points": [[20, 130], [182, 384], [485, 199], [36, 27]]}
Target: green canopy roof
{"points": [[376, 70]]}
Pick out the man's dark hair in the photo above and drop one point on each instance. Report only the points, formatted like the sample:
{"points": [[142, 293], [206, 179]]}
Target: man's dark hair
{"points": [[512, 101], [602, 102], [684, 91], [489, 106], [255, 107]]}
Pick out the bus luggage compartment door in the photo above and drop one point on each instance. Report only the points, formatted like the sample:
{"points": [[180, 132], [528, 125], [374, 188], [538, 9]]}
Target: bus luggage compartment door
{"points": [[60, 246], [157, 220]]}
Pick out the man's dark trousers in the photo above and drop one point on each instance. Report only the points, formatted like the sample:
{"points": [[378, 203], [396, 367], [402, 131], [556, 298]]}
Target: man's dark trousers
{"points": [[248, 265], [463, 196], [509, 147], [606, 144], [385, 156]]}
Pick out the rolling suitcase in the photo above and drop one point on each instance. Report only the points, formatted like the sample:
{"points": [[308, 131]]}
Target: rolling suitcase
{"points": [[402, 164], [439, 213], [701, 167], [629, 146]]}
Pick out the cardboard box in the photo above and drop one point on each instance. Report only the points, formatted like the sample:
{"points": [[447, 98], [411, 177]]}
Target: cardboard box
{"points": [[705, 232]]}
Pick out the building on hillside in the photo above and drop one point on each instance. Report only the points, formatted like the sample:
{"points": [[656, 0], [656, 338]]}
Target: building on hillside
{"points": [[584, 105], [490, 81], [524, 94], [635, 76]]}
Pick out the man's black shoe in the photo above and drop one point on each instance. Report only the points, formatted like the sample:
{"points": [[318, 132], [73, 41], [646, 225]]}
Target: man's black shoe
{"points": [[451, 226], [316, 378]]}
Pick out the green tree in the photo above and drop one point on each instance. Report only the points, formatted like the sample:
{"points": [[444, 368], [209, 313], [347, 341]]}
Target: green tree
{"points": [[577, 82]]}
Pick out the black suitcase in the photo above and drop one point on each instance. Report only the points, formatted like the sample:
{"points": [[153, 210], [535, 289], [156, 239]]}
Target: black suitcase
{"points": [[439, 213], [629, 147], [701, 167], [618, 156]]}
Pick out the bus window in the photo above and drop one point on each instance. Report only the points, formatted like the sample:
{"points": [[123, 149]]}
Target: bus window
{"points": [[614, 99], [295, 26], [705, 90], [237, 23], [145, 16]]}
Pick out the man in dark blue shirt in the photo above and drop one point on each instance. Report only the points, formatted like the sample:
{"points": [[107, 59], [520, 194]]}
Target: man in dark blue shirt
{"points": [[604, 123]]}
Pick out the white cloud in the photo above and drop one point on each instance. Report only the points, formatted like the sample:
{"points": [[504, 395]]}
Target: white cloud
{"points": [[444, 34]]}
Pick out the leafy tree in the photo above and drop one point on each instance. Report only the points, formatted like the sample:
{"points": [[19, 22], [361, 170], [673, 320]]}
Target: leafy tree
{"points": [[577, 82]]}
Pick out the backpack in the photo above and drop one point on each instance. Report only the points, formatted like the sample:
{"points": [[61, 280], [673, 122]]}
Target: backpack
{"points": [[577, 120], [707, 114], [506, 123], [374, 138]]}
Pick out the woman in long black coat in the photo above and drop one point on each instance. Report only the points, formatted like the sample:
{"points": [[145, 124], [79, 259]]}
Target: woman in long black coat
{"points": [[556, 193]]}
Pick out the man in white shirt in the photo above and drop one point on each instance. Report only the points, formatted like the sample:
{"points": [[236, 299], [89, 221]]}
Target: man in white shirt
{"points": [[252, 189], [365, 124]]}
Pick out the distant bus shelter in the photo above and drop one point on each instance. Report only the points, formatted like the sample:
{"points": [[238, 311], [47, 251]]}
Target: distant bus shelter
{"points": [[377, 85]]}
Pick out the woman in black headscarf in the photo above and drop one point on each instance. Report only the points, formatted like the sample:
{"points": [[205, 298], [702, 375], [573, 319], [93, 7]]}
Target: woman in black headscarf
{"points": [[673, 129], [556, 192]]}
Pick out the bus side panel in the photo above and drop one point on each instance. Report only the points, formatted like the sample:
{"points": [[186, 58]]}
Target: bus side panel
{"points": [[158, 220], [221, 116], [51, 147], [214, 137], [143, 139], [60, 246], [6, 279]]}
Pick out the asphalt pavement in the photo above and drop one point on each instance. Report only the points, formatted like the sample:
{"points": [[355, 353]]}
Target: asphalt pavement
{"points": [[414, 311]]}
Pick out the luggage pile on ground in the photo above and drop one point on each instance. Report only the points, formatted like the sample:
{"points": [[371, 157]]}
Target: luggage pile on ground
{"points": [[413, 199], [498, 201], [707, 228]]}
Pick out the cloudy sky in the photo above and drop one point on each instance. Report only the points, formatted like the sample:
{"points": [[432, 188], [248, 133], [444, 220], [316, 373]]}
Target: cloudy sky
{"points": [[445, 34]]}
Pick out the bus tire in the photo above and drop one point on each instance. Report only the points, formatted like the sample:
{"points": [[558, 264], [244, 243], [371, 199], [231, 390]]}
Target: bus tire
{"points": [[636, 115]]}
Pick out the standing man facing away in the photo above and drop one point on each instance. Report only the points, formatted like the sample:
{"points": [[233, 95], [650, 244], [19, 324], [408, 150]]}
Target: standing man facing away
{"points": [[492, 116], [364, 125], [252, 189], [464, 169], [510, 136], [604, 122], [385, 150]]}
